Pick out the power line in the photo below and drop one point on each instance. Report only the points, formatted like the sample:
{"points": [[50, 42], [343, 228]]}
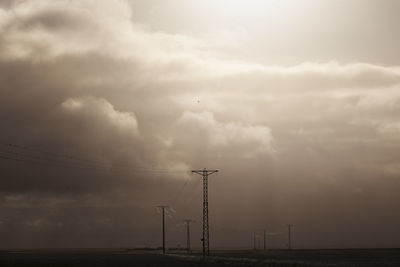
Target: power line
{"points": [[75, 167], [193, 194], [22, 157], [51, 154], [179, 194], [41, 154], [33, 156]]}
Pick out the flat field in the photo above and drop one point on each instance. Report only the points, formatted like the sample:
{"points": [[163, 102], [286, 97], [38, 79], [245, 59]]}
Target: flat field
{"points": [[122, 258]]}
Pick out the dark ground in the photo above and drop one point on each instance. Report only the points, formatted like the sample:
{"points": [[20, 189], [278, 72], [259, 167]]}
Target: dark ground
{"points": [[325, 257], [101, 258]]}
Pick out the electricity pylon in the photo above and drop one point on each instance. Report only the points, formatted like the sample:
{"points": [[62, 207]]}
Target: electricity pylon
{"points": [[188, 234], [206, 235]]}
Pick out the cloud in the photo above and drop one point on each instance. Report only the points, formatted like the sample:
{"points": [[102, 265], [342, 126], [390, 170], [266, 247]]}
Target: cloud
{"points": [[222, 137], [99, 111]]}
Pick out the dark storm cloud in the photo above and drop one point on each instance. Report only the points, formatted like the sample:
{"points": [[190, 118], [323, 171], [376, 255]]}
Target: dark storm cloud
{"points": [[7, 3], [295, 144]]}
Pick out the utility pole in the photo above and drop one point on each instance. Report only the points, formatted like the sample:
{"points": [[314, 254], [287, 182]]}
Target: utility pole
{"points": [[254, 241], [265, 240], [206, 235], [163, 226], [289, 236], [188, 234]]}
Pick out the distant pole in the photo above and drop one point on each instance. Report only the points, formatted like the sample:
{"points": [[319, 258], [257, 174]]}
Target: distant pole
{"points": [[289, 236], [254, 241], [188, 235], [206, 234], [265, 239], [163, 226]]}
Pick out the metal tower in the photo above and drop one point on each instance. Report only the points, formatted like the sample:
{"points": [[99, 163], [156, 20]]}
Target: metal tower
{"points": [[206, 235], [188, 234]]}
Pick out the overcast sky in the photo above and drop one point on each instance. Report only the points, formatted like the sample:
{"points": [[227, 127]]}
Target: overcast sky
{"points": [[106, 106]]}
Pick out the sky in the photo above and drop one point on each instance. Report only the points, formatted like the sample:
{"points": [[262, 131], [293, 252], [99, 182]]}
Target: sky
{"points": [[106, 106]]}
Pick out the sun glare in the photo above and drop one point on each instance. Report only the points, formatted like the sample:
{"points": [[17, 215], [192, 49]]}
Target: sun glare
{"points": [[251, 10]]}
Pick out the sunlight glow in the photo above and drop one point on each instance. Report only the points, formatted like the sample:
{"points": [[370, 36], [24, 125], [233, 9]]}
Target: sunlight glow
{"points": [[249, 11]]}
